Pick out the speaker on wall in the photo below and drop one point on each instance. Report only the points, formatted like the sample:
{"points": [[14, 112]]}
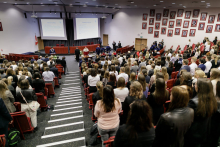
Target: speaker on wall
{"points": [[25, 15], [61, 15], [112, 16]]}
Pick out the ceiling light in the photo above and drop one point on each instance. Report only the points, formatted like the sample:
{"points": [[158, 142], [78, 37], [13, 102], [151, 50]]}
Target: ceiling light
{"points": [[5, 2], [161, 1], [173, 3], [84, 5], [94, 0], [116, 4], [207, 3], [164, 7], [15, 3], [202, 1], [155, 5], [181, 4], [132, 2]]}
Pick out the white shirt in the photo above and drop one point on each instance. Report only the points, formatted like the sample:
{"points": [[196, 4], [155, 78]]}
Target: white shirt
{"points": [[158, 67], [193, 66], [208, 66], [48, 76], [48, 62], [102, 62], [93, 80], [109, 62], [14, 67], [212, 51], [132, 60], [148, 67], [197, 54], [169, 55], [116, 73], [207, 48], [214, 82], [123, 75], [121, 93], [120, 60]]}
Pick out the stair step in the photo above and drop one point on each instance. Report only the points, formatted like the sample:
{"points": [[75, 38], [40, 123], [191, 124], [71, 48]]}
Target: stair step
{"points": [[73, 119], [66, 114]]}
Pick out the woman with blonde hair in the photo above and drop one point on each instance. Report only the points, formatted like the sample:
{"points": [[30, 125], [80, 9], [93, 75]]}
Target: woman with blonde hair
{"points": [[198, 74], [131, 80], [106, 78], [26, 70], [98, 95], [166, 75], [214, 61], [107, 112], [147, 56], [35, 64], [10, 72], [105, 67], [127, 71], [153, 78], [129, 63], [7, 97], [14, 65], [214, 77]]}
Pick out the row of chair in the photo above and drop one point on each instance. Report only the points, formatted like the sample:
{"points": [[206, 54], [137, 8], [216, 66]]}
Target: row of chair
{"points": [[124, 49], [17, 57]]}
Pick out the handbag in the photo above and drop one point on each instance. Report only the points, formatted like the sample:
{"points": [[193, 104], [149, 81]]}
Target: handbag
{"points": [[34, 105]]}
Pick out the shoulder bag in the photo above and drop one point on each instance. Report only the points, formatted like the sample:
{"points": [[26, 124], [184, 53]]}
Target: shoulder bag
{"points": [[34, 105]]}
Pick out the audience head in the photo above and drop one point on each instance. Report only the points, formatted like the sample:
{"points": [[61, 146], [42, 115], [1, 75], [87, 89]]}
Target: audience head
{"points": [[186, 79], [193, 59], [127, 70], [185, 62], [37, 75], [122, 69], [121, 82], [207, 104], [99, 86], [24, 84], [5, 80], [170, 64], [141, 79], [132, 76], [10, 71], [136, 90], [3, 88], [161, 95], [214, 74], [208, 58], [93, 72], [199, 74], [156, 70], [179, 98], [112, 77]]}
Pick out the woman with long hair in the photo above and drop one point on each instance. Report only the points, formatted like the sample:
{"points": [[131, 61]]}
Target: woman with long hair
{"points": [[136, 92], [186, 82], [204, 105], [38, 83], [105, 67], [92, 80], [176, 122], [214, 77], [164, 72], [10, 72], [131, 80], [170, 69], [157, 99], [112, 81], [106, 78], [98, 95], [127, 71], [153, 78], [141, 79], [7, 97], [107, 112], [14, 65], [113, 70], [129, 63], [214, 61], [121, 92], [139, 130]]}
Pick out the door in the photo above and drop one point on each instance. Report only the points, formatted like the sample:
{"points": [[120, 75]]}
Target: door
{"points": [[105, 39], [40, 43], [138, 44], [143, 43]]}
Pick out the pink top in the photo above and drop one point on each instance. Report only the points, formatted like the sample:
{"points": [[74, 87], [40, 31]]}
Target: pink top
{"points": [[108, 120]]}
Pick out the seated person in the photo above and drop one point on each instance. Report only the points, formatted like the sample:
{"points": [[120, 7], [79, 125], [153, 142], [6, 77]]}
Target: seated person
{"points": [[52, 51], [38, 83]]}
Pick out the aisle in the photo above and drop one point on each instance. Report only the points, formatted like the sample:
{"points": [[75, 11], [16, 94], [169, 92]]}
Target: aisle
{"points": [[66, 125]]}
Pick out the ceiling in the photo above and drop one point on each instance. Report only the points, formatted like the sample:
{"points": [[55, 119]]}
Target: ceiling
{"points": [[107, 6]]}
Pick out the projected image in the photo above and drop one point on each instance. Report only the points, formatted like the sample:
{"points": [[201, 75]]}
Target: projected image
{"points": [[52, 27], [87, 28]]}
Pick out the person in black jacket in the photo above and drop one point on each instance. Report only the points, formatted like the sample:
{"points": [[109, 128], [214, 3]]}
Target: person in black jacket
{"points": [[5, 118], [178, 63], [10, 72], [176, 122], [30, 96], [136, 92], [138, 131], [98, 94], [77, 53], [170, 69], [215, 40], [204, 106], [54, 70], [63, 63], [38, 83], [58, 61]]}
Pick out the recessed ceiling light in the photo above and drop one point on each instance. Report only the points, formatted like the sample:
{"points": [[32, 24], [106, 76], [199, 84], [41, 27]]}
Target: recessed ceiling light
{"points": [[173, 3], [181, 4], [5, 2], [94, 0], [161, 1], [15, 3], [135, 5], [202, 1], [164, 7], [132, 2], [116, 4], [155, 5], [208, 3]]}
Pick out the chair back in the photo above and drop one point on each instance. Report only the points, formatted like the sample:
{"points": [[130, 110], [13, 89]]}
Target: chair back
{"points": [[170, 83], [17, 106], [41, 100], [57, 44], [166, 105], [50, 89], [2, 140], [56, 81], [109, 142]]}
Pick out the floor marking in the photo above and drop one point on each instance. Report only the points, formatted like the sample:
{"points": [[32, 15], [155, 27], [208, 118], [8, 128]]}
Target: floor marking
{"points": [[67, 113], [61, 142], [65, 125], [55, 120], [69, 93], [71, 87], [69, 101], [72, 71], [67, 108], [68, 104], [72, 80], [63, 133], [69, 98], [70, 83], [72, 77]]}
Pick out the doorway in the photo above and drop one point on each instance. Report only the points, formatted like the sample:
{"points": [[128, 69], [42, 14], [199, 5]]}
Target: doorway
{"points": [[140, 43], [105, 39]]}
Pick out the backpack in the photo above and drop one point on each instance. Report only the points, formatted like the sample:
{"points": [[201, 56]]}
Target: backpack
{"points": [[13, 137], [93, 135]]}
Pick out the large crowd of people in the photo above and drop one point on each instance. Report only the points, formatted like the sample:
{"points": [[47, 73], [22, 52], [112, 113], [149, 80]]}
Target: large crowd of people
{"points": [[23, 80], [130, 96]]}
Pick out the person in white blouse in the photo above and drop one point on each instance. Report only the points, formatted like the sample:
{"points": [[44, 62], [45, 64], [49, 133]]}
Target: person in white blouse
{"points": [[123, 74], [14, 66], [214, 77], [92, 80], [189, 43], [48, 76], [121, 92], [50, 60], [113, 70], [207, 47], [208, 64], [193, 65], [132, 59]]}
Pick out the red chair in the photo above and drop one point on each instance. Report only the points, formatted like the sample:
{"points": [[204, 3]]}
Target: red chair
{"points": [[166, 106], [56, 82], [50, 89], [73, 45], [92, 43], [17, 106], [57, 44], [176, 74], [60, 73], [22, 122], [46, 91], [62, 45], [90, 101], [2, 140], [88, 43], [42, 100], [173, 75], [109, 142], [170, 83]]}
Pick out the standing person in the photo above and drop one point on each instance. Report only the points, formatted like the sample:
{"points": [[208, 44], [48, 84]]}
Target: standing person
{"points": [[208, 64], [193, 65], [98, 95], [123, 74], [98, 50], [107, 112], [114, 45], [108, 49], [52, 51], [119, 45], [176, 122], [38, 83], [77, 53], [48, 76], [138, 131], [141, 79], [121, 92], [6, 119], [92, 80], [215, 40], [100, 42], [39, 60], [63, 63], [204, 105]]}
